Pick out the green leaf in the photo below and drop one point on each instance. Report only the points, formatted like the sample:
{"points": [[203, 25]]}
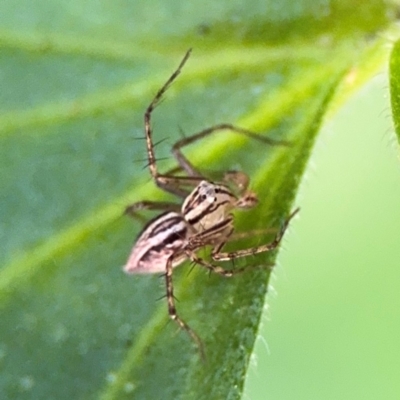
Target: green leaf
{"points": [[395, 86], [75, 81]]}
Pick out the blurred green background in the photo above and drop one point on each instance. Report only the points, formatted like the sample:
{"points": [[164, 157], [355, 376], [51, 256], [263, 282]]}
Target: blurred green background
{"points": [[332, 329]]}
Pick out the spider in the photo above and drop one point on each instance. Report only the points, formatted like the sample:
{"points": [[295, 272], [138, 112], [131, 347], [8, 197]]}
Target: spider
{"points": [[203, 219]]}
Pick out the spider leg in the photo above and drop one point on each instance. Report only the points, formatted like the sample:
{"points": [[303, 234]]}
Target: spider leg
{"points": [[216, 269], [132, 209], [172, 309], [189, 168], [218, 236], [254, 232], [171, 184], [218, 256]]}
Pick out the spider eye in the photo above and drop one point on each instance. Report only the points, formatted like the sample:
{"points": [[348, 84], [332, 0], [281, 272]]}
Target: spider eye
{"points": [[203, 197]]}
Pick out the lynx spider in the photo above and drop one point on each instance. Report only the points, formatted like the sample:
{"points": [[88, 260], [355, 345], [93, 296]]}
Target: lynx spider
{"points": [[203, 219]]}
